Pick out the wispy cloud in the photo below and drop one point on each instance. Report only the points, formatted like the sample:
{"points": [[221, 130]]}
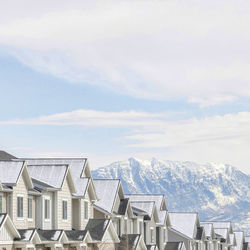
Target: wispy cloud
{"points": [[205, 139], [146, 49]]}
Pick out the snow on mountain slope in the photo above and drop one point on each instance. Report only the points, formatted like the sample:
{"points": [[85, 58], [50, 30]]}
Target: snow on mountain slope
{"points": [[216, 191]]}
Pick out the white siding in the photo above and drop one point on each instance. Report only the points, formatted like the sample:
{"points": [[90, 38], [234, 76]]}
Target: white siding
{"points": [[64, 194], [20, 189]]}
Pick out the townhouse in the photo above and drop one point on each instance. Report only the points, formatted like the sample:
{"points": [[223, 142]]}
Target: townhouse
{"points": [[54, 203], [113, 205], [185, 227], [161, 227]]}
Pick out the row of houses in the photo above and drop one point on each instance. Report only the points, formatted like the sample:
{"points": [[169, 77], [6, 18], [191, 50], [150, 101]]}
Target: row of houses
{"points": [[54, 203]]}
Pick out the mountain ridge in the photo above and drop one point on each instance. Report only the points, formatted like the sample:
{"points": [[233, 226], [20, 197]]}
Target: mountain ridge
{"points": [[215, 191]]}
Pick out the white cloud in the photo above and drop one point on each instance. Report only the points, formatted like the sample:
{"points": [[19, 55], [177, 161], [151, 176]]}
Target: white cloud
{"points": [[197, 51], [216, 138]]}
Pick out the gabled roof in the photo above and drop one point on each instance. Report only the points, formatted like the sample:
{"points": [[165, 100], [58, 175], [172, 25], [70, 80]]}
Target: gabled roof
{"points": [[76, 235], [5, 219], [239, 236], [79, 170], [52, 175], [6, 156], [200, 233], [232, 239], [50, 235], [147, 206], [123, 206], [27, 235], [10, 171], [173, 245], [184, 223], [223, 233], [157, 198], [223, 224], [208, 229], [129, 241], [107, 190]]}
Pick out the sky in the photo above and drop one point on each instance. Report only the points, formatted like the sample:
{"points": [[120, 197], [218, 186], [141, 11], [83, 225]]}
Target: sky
{"points": [[112, 79]]}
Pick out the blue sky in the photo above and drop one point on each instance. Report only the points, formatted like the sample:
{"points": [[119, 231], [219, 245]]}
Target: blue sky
{"points": [[113, 79]]}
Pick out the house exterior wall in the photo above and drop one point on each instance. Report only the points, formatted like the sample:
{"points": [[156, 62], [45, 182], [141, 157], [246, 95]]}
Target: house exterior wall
{"points": [[20, 190], [32, 221], [76, 221], [150, 225], [90, 210], [98, 214], [64, 195], [4, 202]]}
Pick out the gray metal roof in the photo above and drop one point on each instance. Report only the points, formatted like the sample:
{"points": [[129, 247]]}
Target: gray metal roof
{"points": [[157, 198], [26, 234], [147, 206], [49, 235], [106, 191], [162, 216], [76, 235], [208, 228], [81, 185], [6, 156], [10, 171], [184, 223], [247, 238], [239, 240], [97, 228], [76, 164], [52, 175], [128, 241], [222, 232], [173, 245]]}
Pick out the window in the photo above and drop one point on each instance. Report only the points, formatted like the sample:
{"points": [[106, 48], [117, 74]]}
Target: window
{"points": [[1, 204], [152, 235], [47, 208], [86, 210], [30, 208], [65, 211], [20, 207]]}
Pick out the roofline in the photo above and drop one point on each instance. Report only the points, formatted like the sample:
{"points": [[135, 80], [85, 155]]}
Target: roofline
{"points": [[178, 232], [101, 209], [117, 190], [51, 158]]}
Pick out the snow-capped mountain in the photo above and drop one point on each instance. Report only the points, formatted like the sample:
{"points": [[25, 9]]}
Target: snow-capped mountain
{"points": [[216, 191]]}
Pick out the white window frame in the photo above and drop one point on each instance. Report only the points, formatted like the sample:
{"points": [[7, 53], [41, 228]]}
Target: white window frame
{"points": [[86, 209], [65, 200], [47, 198], [30, 218], [18, 217]]}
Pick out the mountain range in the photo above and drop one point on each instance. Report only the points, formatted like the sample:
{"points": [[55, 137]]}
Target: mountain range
{"points": [[215, 191]]}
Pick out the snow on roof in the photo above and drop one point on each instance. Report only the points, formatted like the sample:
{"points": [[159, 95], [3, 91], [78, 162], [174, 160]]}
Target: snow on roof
{"points": [[146, 206], [52, 175], [239, 240], [106, 192], [222, 232], [162, 215], [147, 197], [9, 171], [208, 228], [232, 238], [81, 185], [76, 164], [221, 224], [25, 234], [247, 238], [184, 223]]}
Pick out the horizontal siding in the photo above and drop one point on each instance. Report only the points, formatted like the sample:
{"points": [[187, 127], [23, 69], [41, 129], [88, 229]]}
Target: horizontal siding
{"points": [[64, 194], [20, 189]]}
